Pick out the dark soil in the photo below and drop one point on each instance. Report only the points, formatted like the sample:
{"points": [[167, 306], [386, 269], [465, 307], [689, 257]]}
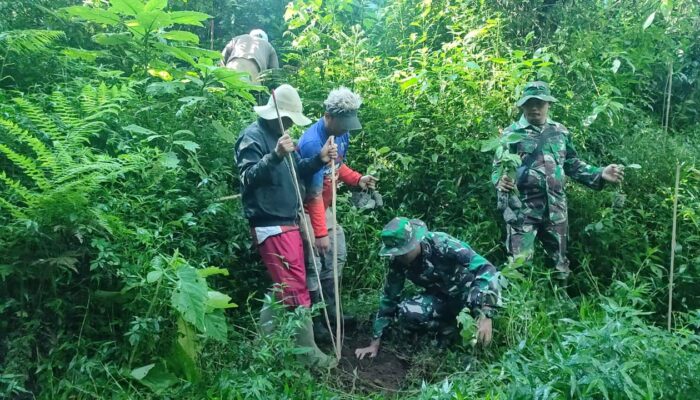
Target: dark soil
{"points": [[384, 373]]}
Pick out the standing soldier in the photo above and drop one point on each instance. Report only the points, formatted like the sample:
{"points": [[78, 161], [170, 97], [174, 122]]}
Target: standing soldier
{"points": [[451, 274], [270, 203], [548, 157], [339, 119], [250, 53]]}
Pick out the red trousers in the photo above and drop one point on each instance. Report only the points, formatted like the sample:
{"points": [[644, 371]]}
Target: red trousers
{"points": [[283, 255]]}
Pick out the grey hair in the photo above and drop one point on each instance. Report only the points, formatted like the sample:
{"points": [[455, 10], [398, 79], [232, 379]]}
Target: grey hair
{"points": [[342, 101]]}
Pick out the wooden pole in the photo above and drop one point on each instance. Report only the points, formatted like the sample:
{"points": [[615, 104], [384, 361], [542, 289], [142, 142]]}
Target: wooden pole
{"points": [[336, 278], [673, 244], [290, 164]]}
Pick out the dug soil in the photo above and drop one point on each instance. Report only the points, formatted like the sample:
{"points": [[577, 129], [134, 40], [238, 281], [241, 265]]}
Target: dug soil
{"points": [[384, 373]]}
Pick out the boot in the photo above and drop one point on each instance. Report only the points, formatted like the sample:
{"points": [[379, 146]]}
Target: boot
{"points": [[314, 357]]}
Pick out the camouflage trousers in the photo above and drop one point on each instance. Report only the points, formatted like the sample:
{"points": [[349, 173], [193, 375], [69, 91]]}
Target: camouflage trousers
{"points": [[429, 313], [553, 237], [324, 262]]}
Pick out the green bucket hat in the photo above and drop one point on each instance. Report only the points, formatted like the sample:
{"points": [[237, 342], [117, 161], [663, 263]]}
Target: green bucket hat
{"points": [[401, 235], [536, 90]]}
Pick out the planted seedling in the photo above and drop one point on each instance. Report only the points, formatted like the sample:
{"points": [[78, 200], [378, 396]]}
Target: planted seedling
{"points": [[507, 165]]}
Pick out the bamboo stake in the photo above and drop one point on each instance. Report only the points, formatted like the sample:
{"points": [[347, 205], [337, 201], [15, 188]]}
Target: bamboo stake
{"points": [[336, 279], [290, 164], [668, 97], [673, 244]]}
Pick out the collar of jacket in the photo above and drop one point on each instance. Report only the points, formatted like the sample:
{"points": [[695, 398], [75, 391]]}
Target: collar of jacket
{"points": [[522, 122]]}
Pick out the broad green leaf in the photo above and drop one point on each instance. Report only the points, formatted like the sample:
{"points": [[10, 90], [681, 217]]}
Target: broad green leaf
{"points": [[181, 36], [615, 66], [193, 18], [490, 145], [384, 150], [127, 7], [408, 82], [96, 15], [183, 358], [159, 88], [649, 21], [87, 55], [139, 129], [149, 21], [190, 296], [156, 5], [155, 377], [170, 160], [468, 326], [215, 323], [513, 138], [176, 52], [187, 145], [219, 300], [111, 39], [154, 276], [209, 271], [141, 372]]}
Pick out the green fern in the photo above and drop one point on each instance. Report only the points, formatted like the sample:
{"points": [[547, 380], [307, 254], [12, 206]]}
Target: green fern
{"points": [[54, 172], [46, 158], [29, 40]]}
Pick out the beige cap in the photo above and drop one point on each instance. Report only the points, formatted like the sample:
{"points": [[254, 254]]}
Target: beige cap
{"points": [[288, 103]]}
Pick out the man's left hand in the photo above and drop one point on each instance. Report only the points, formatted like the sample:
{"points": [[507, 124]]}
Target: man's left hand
{"points": [[614, 173], [484, 331], [368, 182]]}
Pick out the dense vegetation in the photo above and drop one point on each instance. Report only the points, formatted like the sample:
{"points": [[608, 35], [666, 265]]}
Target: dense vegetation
{"points": [[124, 274]]}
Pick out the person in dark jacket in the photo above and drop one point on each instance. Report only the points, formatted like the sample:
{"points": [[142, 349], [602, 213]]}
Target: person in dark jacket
{"points": [[266, 161]]}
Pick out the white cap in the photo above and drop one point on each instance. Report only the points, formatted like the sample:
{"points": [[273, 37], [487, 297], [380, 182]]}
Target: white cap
{"points": [[258, 33], [288, 104]]}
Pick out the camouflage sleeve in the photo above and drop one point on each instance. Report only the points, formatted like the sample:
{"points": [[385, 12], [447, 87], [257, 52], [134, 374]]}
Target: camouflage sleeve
{"points": [[580, 171], [391, 295], [484, 292]]}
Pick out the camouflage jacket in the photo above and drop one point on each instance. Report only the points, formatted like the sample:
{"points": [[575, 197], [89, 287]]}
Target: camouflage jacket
{"points": [[548, 157], [447, 268]]}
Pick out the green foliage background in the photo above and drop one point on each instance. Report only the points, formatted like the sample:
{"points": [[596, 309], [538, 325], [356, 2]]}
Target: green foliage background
{"points": [[124, 275]]}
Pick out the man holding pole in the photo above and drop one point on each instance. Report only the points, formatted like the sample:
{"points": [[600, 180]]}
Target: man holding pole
{"points": [[269, 171], [339, 119]]}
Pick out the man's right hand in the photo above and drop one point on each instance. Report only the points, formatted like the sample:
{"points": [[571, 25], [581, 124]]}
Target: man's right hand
{"points": [[285, 145], [323, 244], [372, 350], [505, 184]]}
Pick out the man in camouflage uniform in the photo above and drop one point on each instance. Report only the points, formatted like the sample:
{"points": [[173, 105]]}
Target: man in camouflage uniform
{"points": [[538, 208], [452, 275]]}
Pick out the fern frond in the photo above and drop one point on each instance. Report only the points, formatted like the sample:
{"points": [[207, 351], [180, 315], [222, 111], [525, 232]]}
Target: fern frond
{"points": [[88, 100], [43, 153], [66, 112], [29, 40], [12, 209], [18, 188], [38, 117], [27, 165]]}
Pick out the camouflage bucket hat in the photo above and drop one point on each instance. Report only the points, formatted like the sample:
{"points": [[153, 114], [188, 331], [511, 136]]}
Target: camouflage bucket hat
{"points": [[401, 235], [536, 90]]}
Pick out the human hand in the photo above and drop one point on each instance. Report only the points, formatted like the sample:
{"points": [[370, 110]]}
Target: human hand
{"points": [[329, 151], [614, 173], [505, 184], [368, 182], [372, 350], [285, 145], [484, 331], [323, 244]]}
